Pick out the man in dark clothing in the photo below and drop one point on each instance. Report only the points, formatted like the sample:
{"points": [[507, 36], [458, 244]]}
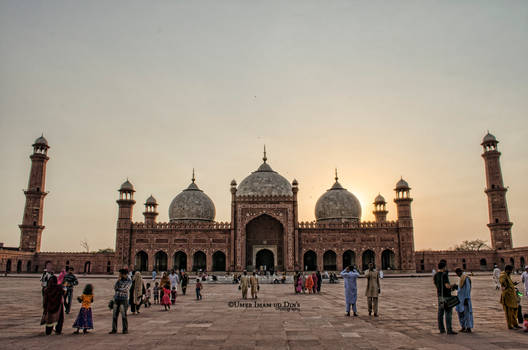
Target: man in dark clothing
{"points": [[184, 282], [443, 289], [70, 281], [121, 288]]}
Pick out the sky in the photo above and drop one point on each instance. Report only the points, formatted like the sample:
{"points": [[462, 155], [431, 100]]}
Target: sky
{"points": [[151, 90]]}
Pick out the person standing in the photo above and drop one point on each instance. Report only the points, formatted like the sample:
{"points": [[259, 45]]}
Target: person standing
{"points": [[199, 288], [53, 309], [319, 281], [253, 281], [163, 281], [244, 284], [464, 308], [121, 288], [154, 274], [184, 282], [70, 281], [443, 289], [314, 279], [350, 276], [309, 284], [524, 278], [84, 319], [496, 276], [174, 280], [373, 289], [46, 275], [509, 298], [137, 290]]}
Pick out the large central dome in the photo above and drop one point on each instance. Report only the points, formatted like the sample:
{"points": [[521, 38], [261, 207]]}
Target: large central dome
{"points": [[192, 204], [264, 182], [337, 205]]}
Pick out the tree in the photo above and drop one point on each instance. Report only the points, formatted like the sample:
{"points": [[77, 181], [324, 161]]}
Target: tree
{"points": [[85, 246], [106, 250], [475, 245]]}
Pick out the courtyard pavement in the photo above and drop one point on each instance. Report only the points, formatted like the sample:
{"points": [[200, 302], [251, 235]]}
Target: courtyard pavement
{"points": [[407, 319]]}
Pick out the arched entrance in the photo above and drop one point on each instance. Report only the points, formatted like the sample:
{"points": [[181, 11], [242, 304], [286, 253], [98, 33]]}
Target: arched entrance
{"points": [[19, 266], [180, 261], [387, 260], [160, 261], [483, 264], [87, 267], [330, 261], [264, 260], [141, 261], [264, 232], [28, 266], [219, 261], [108, 267], [199, 261], [349, 258], [310, 261], [8, 265], [368, 257]]}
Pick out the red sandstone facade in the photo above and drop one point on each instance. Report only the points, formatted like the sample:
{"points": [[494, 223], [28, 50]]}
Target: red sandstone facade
{"points": [[264, 231]]}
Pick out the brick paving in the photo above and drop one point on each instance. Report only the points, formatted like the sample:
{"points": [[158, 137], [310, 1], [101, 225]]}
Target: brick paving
{"points": [[407, 320]]}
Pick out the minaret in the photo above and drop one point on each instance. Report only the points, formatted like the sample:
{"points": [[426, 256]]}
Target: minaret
{"points": [[405, 226], [124, 224], [31, 227], [499, 220], [380, 208], [150, 210]]}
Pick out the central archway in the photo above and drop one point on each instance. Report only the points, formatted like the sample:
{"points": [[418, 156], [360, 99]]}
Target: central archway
{"points": [[264, 233], [264, 260]]}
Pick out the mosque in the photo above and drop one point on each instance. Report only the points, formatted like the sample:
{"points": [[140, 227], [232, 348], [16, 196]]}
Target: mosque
{"points": [[264, 232]]}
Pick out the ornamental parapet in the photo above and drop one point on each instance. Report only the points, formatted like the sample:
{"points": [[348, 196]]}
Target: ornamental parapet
{"points": [[347, 225], [184, 225], [250, 198]]}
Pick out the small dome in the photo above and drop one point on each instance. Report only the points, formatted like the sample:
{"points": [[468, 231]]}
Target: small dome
{"points": [[264, 182], [379, 199], [294, 182], [402, 185], [127, 186], [151, 200], [41, 141], [233, 182], [337, 204], [192, 204], [489, 138]]}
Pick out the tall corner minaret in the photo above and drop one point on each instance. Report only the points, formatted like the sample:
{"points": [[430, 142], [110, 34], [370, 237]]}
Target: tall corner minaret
{"points": [[124, 224], [499, 220], [405, 225], [31, 227]]}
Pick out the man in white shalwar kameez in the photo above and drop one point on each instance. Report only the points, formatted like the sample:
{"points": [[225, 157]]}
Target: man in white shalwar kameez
{"points": [[496, 276]]}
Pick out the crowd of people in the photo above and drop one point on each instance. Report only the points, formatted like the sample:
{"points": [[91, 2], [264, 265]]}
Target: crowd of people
{"points": [[131, 290], [510, 298]]}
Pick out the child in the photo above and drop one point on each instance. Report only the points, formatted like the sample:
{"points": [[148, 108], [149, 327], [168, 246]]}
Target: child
{"points": [[148, 295], [156, 293], [173, 295], [198, 289], [165, 299], [84, 319]]}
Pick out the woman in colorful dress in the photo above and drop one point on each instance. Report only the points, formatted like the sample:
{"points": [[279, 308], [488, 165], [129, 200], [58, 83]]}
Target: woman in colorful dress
{"points": [[84, 319]]}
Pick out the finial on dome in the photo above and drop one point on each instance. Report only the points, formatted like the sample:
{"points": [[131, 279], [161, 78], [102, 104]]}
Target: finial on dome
{"points": [[193, 178], [336, 177], [264, 158]]}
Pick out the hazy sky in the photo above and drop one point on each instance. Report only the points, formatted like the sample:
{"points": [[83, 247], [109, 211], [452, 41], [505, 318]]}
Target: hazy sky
{"points": [[149, 90]]}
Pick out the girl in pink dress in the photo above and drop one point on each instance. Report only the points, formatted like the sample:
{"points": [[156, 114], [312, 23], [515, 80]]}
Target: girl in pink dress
{"points": [[166, 299]]}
